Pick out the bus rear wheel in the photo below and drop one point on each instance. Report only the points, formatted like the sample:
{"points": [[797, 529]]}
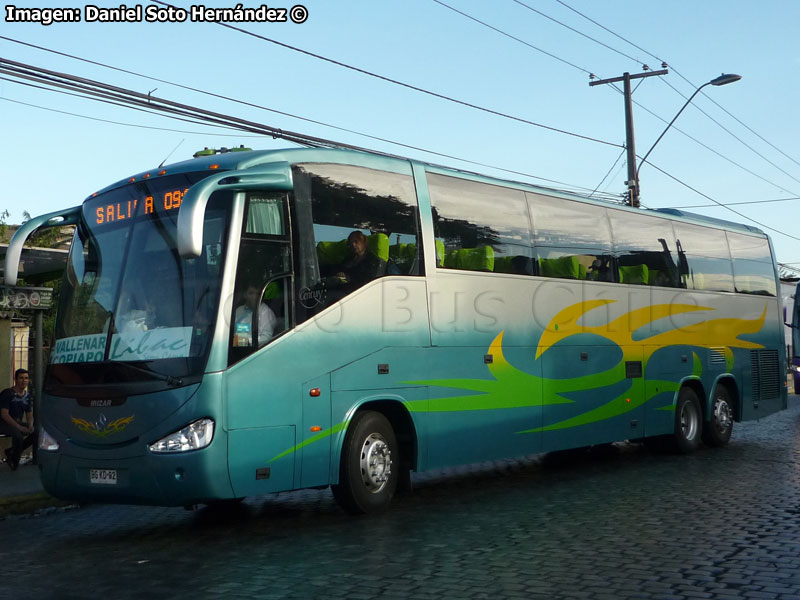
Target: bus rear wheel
{"points": [[369, 465], [720, 421], [688, 421]]}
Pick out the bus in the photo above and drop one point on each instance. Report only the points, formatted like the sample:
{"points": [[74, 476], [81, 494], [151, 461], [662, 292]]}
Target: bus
{"points": [[250, 322], [792, 324]]}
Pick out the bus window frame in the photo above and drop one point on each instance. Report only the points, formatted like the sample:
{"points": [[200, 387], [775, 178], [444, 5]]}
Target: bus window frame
{"points": [[256, 240]]}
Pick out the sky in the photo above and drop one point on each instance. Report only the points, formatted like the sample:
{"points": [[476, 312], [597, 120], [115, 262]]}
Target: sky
{"points": [[527, 59]]}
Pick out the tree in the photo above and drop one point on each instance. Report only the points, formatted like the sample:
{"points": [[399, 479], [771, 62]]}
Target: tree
{"points": [[3, 225], [49, 237]]}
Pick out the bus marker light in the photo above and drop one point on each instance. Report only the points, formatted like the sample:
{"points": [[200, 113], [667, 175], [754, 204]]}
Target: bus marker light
{"points": [[147, 176], [314, 392], [628, 400], [162, 172], [214, 166], [132, 179], [315, 428]]}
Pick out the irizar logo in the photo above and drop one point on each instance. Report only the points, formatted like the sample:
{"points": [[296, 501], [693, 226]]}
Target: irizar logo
{"points": [[102, 428]]}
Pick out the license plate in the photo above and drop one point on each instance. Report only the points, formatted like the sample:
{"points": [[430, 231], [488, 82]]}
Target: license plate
{"points": [[103, 476]]}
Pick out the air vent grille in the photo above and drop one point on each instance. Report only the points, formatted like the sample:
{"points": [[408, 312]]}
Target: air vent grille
{"points": [[717, 356], [766, 374]]}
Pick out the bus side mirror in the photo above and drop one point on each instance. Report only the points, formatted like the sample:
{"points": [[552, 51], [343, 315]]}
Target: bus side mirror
{"points": [[191, 214]]}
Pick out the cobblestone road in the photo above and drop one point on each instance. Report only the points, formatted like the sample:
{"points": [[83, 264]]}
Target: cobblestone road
{"points": [[722, 523]]}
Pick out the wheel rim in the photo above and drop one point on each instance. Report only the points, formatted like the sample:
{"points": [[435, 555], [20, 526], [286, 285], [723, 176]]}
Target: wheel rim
{"points": [[376, 463], [723, 416], [689, 421]]}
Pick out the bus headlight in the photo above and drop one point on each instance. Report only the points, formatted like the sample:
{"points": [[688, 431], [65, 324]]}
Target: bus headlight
{"points": [[192, 437], [47, 442]]}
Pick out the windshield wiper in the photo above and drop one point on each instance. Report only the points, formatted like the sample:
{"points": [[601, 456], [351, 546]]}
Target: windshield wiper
{"points": [[169, 379]]}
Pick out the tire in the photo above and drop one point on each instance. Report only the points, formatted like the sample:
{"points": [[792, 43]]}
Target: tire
{"points": [[717, 431], [369, 467], [688, 422]]}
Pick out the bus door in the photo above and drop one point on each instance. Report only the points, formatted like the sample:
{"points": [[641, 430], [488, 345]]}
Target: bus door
{"points": [[261, 407]]}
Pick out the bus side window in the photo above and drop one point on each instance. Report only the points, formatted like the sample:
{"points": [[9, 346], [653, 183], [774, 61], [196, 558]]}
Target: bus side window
{"points": [[646, 249], [704, 258], [351, 225], [480, 227], [753, 271], [572, 239]]}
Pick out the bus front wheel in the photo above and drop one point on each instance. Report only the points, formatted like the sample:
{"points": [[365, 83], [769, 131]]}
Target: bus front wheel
{"points": [[688, 421], [720, 422], [369, 466]]}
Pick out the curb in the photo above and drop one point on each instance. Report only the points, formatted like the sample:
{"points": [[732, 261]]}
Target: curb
{"points": [[31, 503]]}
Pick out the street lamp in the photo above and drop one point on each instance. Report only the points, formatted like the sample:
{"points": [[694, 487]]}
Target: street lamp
{"points": [[723, 79]]}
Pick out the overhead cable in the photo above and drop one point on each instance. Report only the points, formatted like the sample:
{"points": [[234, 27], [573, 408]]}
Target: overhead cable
{"points": [[679, 74], [716, 202], [407, 85], [137, 100], [508, 35]]}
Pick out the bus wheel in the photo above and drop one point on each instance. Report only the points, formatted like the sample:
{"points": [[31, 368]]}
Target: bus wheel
{"points": [[720, 422], [688, 421], [369, 466]]}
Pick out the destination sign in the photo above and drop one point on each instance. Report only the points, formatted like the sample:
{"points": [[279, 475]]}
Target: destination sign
{"points": [[113, 212]]}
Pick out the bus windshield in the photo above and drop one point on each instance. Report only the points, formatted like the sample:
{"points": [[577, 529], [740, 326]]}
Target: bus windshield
{"points": [[131, 308]]}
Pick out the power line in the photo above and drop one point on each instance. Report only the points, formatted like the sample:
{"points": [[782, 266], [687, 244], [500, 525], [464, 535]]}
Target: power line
{"points": [[736, 212], [713, 151], [740, 203], [137, 126], [406, 85], [106, 101], [751, 130], [294, 116], [608, 30], [703, 145], [538, 12], [621, 154], [106, 92], [94, 90], [200, 91], [679, 74], [734, 136], [508, 35]]}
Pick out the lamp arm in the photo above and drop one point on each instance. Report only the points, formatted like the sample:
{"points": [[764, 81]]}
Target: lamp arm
{"points": [[668, 126]]}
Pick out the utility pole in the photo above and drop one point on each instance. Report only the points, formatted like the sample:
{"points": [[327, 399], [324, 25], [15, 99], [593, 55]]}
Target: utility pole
{"points": [[630, 145]]}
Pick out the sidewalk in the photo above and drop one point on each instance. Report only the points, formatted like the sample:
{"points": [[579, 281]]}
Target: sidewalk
{"points": [[21, 491]]}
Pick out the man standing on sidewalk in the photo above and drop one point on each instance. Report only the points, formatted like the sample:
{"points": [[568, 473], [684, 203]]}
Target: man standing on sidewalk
{"points": [[15, 402]]}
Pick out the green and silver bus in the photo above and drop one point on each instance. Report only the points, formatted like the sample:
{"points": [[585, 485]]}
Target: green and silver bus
{"points": [[252, 322]]}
